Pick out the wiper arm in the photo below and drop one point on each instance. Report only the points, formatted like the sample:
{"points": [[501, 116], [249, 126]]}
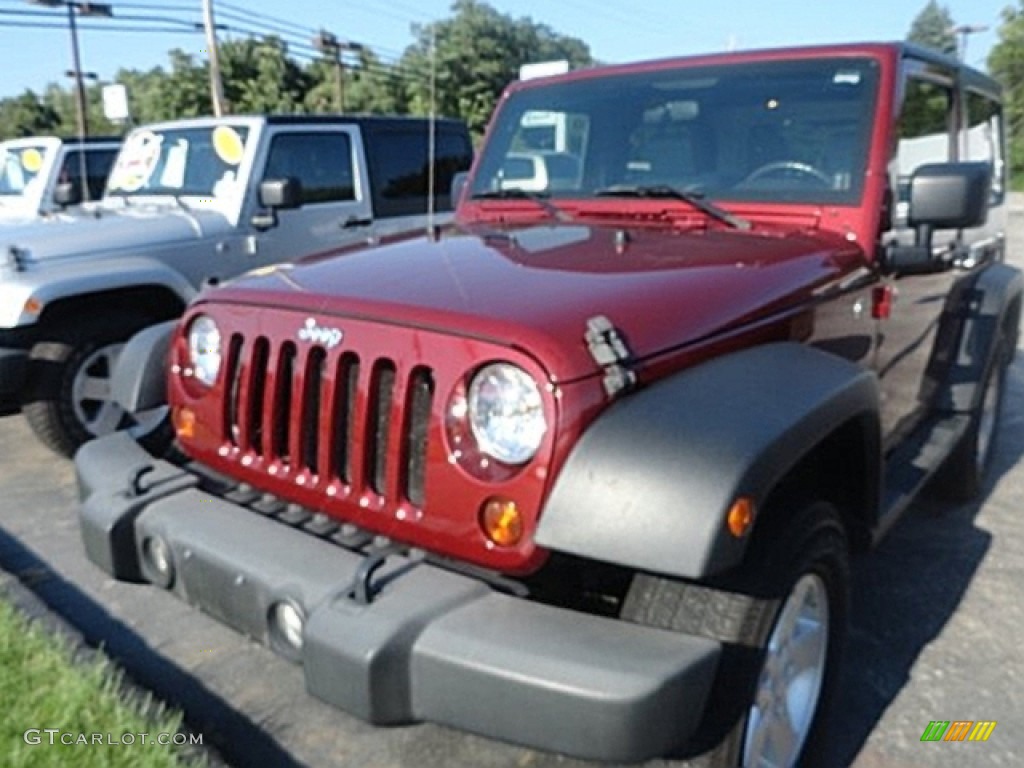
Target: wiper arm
{"points": [[695, 199], [521, 194]]}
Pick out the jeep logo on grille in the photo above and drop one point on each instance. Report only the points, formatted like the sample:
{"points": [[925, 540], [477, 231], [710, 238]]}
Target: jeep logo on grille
{"points": [[329, 337]]}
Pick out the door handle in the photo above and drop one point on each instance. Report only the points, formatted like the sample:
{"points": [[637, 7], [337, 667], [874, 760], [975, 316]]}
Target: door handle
{"points": [[352, 222]]}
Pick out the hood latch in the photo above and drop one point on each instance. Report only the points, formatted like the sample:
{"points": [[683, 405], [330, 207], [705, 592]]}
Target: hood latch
{"points": [[611, 352]]}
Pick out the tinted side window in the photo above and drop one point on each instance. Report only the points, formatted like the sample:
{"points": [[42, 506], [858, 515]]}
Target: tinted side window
{"points": [[322, 162], [924, 129], [984, 138], [98, 163], [399, 159]]}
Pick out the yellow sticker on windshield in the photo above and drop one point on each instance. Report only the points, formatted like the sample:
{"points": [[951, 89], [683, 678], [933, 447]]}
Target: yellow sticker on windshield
{"points": [[32, 160], [228, 144]]}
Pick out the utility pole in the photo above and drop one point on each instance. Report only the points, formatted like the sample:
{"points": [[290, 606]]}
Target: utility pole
{"points": [[327, 43], [331, 47], [216, 82], [76, 63], [81, 108]]}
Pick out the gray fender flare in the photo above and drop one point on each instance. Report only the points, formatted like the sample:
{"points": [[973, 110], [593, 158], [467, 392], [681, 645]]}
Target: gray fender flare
{"points": [[988, 304], [140, 377], [650, 482], [101, 276]]}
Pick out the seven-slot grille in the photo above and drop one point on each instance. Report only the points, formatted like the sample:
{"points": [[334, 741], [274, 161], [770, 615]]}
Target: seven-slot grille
{"points": [[331, 413]]}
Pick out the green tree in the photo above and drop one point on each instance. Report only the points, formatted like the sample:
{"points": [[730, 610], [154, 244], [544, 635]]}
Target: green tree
{"points": [[260, 77], [368, 86], [374, 87], [933, 28], [1006, 63], [477, 53], [27, 115], [157, 95]]}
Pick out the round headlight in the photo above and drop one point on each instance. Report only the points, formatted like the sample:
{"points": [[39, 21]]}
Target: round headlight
{"points": [[506, 413], [204, 349]]}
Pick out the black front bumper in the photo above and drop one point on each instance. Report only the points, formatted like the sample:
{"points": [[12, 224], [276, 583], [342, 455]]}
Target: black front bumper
{"points": [[430, 645]]}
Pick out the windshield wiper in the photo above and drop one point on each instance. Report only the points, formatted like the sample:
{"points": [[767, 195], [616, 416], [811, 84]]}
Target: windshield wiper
{"points": [[539, 198], [695, 199]]}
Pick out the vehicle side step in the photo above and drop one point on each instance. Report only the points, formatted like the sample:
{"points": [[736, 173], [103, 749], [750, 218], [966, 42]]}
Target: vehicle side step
{"points": [[910, 466]]}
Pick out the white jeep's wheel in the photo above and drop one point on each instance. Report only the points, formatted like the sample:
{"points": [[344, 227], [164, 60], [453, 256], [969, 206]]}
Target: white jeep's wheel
{"points": [[90, 391], [67, 398]]}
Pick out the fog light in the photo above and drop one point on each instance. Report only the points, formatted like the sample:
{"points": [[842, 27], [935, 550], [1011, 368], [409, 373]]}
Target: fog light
{"points": [[740, 517], [184, 422], [286, 626], [157, 561], [502, 522]]}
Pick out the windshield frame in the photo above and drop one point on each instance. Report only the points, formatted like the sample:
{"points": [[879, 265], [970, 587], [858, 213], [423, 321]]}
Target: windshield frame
{"points": [[139, 160], [32, 194], [615, 104]]}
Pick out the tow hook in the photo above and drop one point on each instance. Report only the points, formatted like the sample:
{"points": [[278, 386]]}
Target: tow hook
{"points": [[136, 487], [362, 590]]}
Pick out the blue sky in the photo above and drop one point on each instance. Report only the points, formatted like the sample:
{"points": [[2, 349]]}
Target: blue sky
{"points": [[615, 31]]}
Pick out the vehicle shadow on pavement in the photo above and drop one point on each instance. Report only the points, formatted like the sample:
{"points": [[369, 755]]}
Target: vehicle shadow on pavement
{"points": [[905, 591], [232, 736]]}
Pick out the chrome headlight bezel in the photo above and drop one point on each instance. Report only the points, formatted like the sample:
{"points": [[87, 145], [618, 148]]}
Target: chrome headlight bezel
{"points": [[505, 411], [205, 349]]}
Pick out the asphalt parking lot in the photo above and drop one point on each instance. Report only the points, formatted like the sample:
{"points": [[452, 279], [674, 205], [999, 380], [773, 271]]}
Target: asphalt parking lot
{"points": [[937, 633]]}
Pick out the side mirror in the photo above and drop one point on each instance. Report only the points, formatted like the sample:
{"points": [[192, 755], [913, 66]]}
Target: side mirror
{"points": [[949, 195], [67, 193], [281, 194], [940, 196], [276, 195], [459, 181]]}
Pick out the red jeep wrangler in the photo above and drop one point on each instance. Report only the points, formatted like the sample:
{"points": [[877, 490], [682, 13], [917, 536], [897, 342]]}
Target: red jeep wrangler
{"points": [[583, 471]]}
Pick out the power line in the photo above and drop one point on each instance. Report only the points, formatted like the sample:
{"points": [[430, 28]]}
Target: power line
{"points": [[114, 20], [280, 24], [157, 6], [297, 39], [264, 26], [94, 26]]}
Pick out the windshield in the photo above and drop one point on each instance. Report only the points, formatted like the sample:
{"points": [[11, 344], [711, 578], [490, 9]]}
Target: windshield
{"points": [[199, 162], [789, 131], [20, 166]]}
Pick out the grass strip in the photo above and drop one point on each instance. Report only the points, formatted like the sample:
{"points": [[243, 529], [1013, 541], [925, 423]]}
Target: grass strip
{"points": [[94, 719]]}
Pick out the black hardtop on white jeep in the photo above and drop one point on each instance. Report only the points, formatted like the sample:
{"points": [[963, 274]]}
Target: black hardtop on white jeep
{"points": [[194, 201]]}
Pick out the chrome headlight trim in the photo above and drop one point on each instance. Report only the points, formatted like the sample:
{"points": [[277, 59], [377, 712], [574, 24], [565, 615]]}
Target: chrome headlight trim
{"points": [[205, 349], [506, 413]]}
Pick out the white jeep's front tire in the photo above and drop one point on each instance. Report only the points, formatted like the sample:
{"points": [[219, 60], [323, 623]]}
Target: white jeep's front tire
{"points": [[67, 398]]}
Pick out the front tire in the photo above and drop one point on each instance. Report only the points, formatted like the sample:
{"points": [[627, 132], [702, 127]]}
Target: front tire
{"points": [[782, 619], [67, 397]]}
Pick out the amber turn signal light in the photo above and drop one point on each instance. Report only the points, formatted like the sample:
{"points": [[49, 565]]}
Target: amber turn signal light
{"points": [[184, 422], [502, 522], [741, 517]]}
